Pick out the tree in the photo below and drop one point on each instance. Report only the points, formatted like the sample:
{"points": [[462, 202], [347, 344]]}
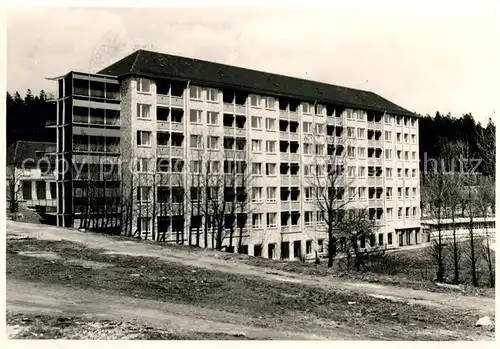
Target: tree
{"points": [[485, 197], [328, 191], [433, 193], [13, 189]]}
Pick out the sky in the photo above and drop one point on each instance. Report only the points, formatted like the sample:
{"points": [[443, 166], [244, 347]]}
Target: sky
{"points": [[425, 58]]}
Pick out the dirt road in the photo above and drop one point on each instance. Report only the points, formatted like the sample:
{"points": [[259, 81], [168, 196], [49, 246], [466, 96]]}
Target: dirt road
{"points": [[209, 260]]}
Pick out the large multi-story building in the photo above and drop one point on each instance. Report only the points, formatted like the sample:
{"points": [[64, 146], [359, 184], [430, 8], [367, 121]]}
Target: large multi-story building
{"points": [[174, 116]]}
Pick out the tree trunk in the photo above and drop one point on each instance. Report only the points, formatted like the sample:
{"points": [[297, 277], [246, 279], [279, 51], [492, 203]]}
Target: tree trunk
{"points": [[456, 276]]}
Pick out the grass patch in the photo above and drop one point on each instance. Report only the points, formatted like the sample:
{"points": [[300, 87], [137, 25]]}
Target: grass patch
{"points": [[265, 303]]}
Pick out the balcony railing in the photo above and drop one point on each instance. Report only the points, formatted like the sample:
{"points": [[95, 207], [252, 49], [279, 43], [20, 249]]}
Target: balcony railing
{"points": [[294, 115], [163, 150], [177, 101], [229, 108], [163, 99], [242, 132], [284, 135], [294, 156], [177, 151], [284, 114], [240, 109], [294, 136], [163, 125], [177, 126]]}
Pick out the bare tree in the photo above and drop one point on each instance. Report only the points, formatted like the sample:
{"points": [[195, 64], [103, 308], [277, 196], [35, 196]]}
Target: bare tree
{"points": [[358, 229], [434, 189], [328, 190], [485, 197]]}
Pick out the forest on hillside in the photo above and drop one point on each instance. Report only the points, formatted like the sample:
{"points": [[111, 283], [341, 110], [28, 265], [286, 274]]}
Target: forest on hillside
{"points": [[26, 118]]}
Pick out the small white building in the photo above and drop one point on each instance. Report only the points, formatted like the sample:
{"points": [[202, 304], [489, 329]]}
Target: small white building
{"points": [[31, 169], [481, 226]]}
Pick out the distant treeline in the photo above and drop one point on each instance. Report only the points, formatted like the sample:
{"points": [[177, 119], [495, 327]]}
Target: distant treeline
{"points": [[26, 117]]}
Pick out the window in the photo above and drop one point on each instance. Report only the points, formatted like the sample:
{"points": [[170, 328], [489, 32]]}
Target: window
{"points": [[406, 137], [362, 192], [256, 194], [407, 173], [398, 120], [407, 212], [212, 95], [320, 149], [349, 115], [144, 224], [143, 85], [271, 194], [269, 102], [361, 133], [413, 173], [256, 168], [196, 166], [414, 155], [389, 238], [389, 213], [388, 193], [143, 111], [400, 193], [400, 173], [414, 212], [307, 148], [320, 109], [361, 152], [387, 119], [308, 170], [212, 118], [143, 193], [399, 154], [388, 135], [142, 165], [360, 115], [195, 116], [257, 220], [257, 145], [361, 171], [308, 193], [270, 146], [400, 213], [144, 138], [414, 192], [309, 247], [195, 142], [256, 122], [308, 218], [319, 128], [407, 193], [413, 122], [162, 165], [388, 172], [414, 139], [213, 142], [320, 245], [351, 192], [270, 124], [388, 154], [351, 171], [307, 127], [398, 136], [271, 220], [350, 132], [270, 169], [351, 151], [407, 155], [195, 92], [307, 108], [255, 101]]}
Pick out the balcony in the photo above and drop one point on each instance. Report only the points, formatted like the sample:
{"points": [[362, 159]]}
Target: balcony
{"points": [[228, 108], [330, 139], [294, 136], [294, 157], [163, 150], [177, 126], [284, 135], [294, 116], [376, 202], [163, 99], [240, 109], [284, 156], [177, 102], [241, 132], [294, 181], [284, 114], [284, 180], [177, 151], [295, 205], [286, 229], [163, 125], [228, 131], [285, 205]]}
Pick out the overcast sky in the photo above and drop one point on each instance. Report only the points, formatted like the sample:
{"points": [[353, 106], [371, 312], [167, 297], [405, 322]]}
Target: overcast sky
{"points": [[423, 58]]}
